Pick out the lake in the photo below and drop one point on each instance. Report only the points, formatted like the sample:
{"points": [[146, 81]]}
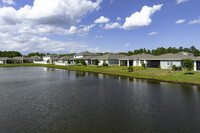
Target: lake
{"points": [[39, 99]]}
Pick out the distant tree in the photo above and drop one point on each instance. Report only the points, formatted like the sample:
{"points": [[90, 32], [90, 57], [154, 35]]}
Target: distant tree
{"points": [[9, 54], [36, 54], [96, 62], [188, 64]]}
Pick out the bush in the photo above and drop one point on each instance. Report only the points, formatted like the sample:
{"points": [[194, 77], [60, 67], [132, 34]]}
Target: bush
{"points": [[144, 65], [175, 68], [68, 61], [188, 64], [48, 61], [130, 69], [105, 64], [77, 61], [96, 62], [82, 61]]}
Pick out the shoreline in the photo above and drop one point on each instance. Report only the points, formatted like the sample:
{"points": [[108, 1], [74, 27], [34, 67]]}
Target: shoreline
{"points": [[95, 70]]}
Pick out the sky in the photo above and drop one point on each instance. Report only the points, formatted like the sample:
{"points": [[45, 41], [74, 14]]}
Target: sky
{"points": [[72, 26]]}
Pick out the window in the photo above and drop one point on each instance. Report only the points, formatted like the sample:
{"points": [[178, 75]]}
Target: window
{"points": [[169, 63]]}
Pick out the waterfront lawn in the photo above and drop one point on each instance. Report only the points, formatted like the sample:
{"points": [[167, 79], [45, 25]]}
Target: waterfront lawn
{"points": [[139, 72]]}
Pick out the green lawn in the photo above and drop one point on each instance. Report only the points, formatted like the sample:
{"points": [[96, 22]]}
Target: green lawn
{"points": [[139, 72]]}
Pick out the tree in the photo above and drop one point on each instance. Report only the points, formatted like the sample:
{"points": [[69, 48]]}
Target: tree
{"points": [[188, 64], [77, 61], [96, 62], [82, 61]]}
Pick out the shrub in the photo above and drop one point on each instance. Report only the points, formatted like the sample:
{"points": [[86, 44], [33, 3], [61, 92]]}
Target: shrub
{"points": [[77, 61], [105, 64], [130, 69], [48, 61], [144, 65], [188, 64], [68, 61], [96, 62], [175, 68], [82, 61]]}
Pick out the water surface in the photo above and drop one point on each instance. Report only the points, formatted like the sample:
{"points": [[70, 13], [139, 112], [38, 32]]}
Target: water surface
{"points": [[39, 99]]}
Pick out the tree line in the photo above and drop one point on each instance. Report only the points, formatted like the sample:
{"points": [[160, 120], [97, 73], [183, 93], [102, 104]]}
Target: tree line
{"points": [[9, 54], [162, 50]]}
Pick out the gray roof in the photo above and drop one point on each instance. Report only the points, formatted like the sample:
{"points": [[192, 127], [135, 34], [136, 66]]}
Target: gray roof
{"points": [[66, 58], [139, 57], [86, 53], [52, 55], [20, 58], [4, 58], [109, 56], [36, 57]]}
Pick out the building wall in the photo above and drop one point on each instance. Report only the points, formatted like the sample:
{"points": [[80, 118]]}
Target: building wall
{"points": [[45, 58], [169, 64], [1, 62], [78, 57]]}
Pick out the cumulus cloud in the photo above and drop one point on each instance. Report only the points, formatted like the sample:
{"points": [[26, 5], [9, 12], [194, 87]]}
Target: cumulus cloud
{"points": [[112, 26], [153, 33], [181, 1], [56, 12], [180, 21], [29, 43], [9, 2], [197, 21], [102, 19], [142, 18]]}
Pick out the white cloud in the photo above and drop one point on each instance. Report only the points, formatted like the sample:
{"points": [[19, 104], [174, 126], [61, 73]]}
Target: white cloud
{"points": [[9, 2], [127, 45], [112, 26], [180, 21], [119, 19], [102, 19], [56, 12], [142, 18], [197, 21], [181, 1], [153, 33], [29, 43]]}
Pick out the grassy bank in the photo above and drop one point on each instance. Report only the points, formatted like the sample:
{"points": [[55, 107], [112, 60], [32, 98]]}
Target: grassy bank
{"points": [[139, 72]]}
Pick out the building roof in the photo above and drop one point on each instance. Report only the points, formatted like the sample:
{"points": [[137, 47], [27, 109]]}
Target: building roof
{"points": [[36, 57], [4, 58], [86, 53], [20, 58], [52, 55], [109, 56], [66, 58], [142, 56]]}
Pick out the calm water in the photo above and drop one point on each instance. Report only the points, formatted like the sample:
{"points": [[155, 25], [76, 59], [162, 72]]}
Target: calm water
{"points": [[37, 99]]}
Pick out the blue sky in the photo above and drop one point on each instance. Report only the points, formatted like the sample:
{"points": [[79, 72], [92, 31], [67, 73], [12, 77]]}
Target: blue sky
{"points": [[67, 26]]}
